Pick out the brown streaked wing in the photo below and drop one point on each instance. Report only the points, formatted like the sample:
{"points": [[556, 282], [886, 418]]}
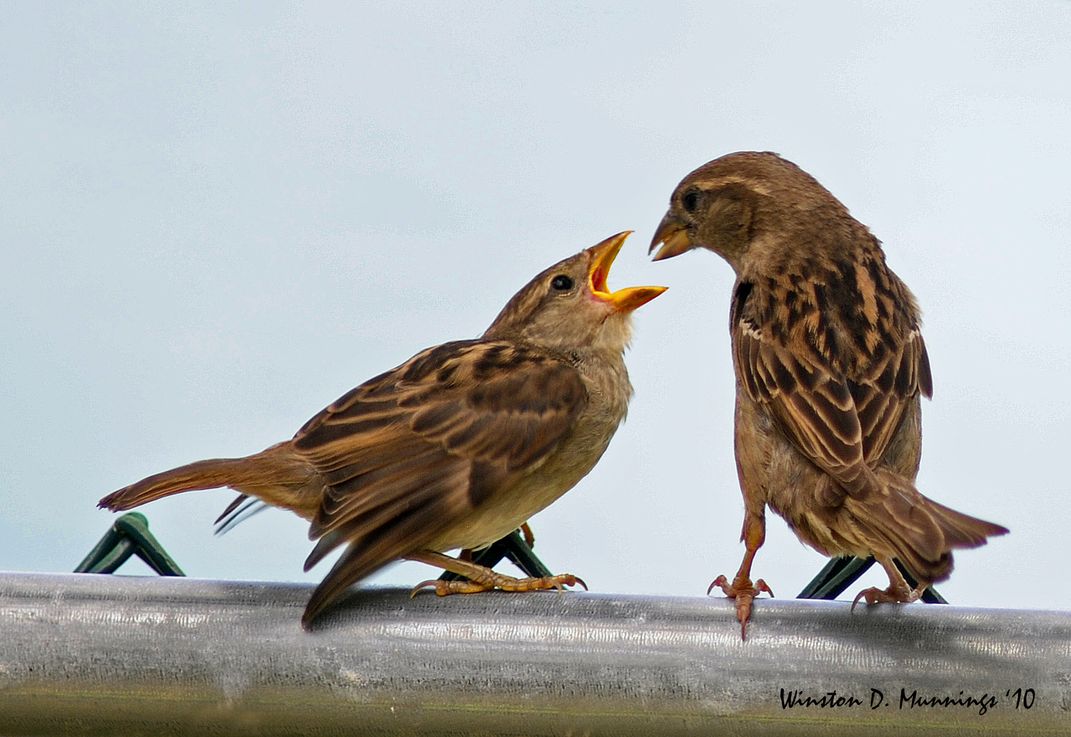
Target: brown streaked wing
{"points": [[884, 394], [837, 424], [810, 403], [408, 453]]}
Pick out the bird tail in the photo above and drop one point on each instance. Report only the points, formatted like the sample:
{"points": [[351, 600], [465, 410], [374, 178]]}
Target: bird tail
{"points": [[918, 531], [276, 476]]}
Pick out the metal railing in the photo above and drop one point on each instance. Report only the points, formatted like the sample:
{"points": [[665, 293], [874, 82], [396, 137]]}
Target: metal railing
{"points": [[87, 654]]}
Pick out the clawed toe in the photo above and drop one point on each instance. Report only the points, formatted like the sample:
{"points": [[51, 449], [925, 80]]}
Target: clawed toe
{"points": [[721, 582], [476, 578], [891, 595], [445, 588], [898, 591], [559, 582], [574, 581], [739, 587], [743, 592], [430, 583], [498, 581], [760, 585]]}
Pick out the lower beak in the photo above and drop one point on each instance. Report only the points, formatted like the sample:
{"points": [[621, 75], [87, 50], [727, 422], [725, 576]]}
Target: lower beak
{"points": [[623, 300], [673, 235]]}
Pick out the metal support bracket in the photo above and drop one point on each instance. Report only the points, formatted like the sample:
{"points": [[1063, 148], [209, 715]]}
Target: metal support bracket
{"points": [[840, 573], [129, 535]]}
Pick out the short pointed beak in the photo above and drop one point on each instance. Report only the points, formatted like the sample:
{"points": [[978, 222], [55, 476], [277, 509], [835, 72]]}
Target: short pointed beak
{"points": [[624, 300], [673, 235]]}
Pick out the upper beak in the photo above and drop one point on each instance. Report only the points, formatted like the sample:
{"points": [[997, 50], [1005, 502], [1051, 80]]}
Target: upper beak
{"points": [[603, 255], [673, 235]]}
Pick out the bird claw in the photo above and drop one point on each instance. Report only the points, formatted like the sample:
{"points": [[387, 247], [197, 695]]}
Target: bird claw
{"points": [[891, 595], [740, 586], [744, 592], [722, 582], [445, 588], [570, 580], [559, 582], [501, 582]]}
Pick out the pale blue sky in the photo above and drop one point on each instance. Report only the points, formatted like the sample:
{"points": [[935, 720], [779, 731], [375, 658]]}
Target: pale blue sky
{"points": [[217, 218]]}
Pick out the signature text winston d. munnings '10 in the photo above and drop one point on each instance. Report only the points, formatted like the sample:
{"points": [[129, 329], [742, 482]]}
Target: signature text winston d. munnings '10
{"points": [[908, 698]]}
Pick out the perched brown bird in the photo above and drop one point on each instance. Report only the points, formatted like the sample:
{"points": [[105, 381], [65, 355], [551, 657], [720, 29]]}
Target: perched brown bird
{"points": [[829, 366], [456, 447]]}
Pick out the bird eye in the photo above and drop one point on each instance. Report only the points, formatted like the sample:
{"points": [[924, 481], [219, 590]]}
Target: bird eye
{"points": [[690, 200], [562, 283]]}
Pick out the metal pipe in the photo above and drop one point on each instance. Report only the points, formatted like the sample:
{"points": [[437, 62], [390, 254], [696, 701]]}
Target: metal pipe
{"points": [[92, 654]]}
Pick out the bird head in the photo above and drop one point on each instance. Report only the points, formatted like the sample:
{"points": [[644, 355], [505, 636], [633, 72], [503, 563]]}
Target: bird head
{"points": [[570, 305], [728, 203]]}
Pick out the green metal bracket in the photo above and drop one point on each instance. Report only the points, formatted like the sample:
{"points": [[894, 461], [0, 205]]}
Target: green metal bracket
{"points": [[129, 535], [840, 573]]}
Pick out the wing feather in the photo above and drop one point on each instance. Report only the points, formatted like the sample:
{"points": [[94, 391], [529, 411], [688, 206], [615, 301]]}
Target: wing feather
{"points": [[410, 452], [843, 425]]}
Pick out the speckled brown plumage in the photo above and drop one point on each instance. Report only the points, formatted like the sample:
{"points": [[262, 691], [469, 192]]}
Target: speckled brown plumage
{"points": [[830, 366], [454, 448]]}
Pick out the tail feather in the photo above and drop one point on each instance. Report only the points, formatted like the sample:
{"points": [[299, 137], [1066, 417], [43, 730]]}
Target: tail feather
{"points": [[920, 532], [276, 476], [961, 530], [191, 477], [241, 508]]}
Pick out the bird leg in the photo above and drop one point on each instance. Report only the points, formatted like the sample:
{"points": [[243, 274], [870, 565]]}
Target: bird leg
{"points": [[897, 593], [480, 578], [742, 589]]}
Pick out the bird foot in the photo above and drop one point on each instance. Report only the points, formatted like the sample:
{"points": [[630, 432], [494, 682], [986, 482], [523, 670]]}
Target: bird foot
{"points": [[744, 592], [891, 595], [492, 580]]}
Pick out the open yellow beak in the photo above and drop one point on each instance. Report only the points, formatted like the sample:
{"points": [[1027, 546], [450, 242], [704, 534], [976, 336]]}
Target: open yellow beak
{"points": [[603, 255], [673, 236]]}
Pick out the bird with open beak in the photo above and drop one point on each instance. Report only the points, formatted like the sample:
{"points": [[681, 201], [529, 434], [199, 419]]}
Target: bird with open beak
{"points": [[830, 365], [456, 447]]}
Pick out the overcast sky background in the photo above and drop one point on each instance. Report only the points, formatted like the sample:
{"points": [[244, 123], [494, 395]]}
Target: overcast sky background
{"points": [[216, 219]]}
